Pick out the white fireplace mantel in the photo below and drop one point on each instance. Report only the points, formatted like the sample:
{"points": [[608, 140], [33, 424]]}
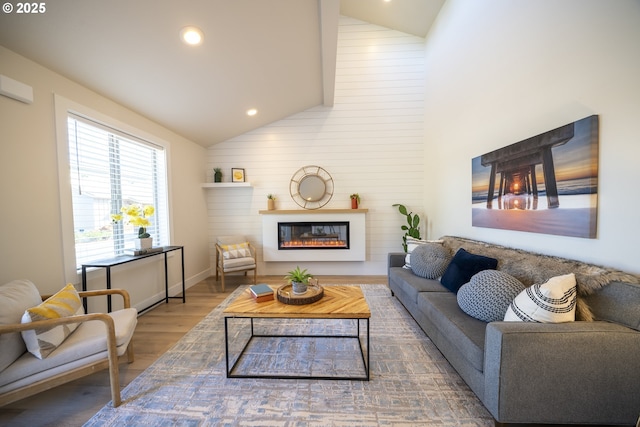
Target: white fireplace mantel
{"points": [[312, 211], [357, 234]]}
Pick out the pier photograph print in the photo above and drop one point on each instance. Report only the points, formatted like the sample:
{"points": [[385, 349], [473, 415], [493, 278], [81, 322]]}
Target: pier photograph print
{"points": [[545, 184]]}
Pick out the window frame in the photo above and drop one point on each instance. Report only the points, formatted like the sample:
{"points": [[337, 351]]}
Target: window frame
{"points": [[63, 108]]}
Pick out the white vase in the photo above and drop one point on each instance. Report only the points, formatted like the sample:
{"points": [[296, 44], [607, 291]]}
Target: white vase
{"points": [[144, 243], [299, 288]]}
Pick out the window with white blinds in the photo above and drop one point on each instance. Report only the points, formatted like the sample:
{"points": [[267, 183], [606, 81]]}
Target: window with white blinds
{"points": [[110, 169]]}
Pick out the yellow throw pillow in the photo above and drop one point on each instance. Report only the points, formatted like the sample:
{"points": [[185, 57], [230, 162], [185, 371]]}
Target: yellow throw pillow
{"points": [[240, 250], [65, 303]]}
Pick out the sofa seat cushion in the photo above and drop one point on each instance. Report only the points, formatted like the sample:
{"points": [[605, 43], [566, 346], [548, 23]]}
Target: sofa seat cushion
{"points": [[15, 297], [461, 330], [89, 339], [234, 264], [412, 284]]}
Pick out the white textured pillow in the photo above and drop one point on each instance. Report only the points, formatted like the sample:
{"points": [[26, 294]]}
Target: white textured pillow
{"points": [[551, 302], [15, 297], [413, 243], [41, 342]]}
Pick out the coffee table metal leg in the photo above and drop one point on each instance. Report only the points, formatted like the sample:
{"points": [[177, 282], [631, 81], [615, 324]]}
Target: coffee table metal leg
{"points": [[226, 345], [231, 367], [368, 351], [366, 360]]}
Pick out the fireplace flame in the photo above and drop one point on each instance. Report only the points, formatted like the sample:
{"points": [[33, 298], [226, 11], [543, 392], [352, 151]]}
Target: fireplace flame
{"points": [[314, 243]]}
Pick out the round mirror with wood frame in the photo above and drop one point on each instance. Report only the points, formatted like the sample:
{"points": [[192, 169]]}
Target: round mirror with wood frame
{"points": [[311, 187]]}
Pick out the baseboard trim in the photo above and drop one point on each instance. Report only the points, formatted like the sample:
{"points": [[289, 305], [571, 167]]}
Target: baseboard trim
{"points": [[175, 289]]}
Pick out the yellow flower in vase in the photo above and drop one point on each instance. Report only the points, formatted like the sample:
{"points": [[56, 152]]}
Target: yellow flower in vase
{"points": [[138, 216]]}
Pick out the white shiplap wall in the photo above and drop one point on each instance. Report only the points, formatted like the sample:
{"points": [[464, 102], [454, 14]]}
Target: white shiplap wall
{"points": [[371, 142]]}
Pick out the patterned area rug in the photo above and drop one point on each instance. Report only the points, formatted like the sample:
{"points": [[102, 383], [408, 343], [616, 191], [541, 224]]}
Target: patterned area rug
{"points": [[411, 382]]}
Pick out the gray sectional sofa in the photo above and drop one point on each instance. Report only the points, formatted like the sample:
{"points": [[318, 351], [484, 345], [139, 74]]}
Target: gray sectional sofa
{"points": [[582, 372]]}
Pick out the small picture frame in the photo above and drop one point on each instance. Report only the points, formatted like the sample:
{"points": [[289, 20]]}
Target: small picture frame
{"points": [[237, 175]]}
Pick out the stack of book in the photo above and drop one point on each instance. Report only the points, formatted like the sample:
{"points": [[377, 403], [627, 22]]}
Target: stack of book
{"points": [[136, 252], [261, 292]]}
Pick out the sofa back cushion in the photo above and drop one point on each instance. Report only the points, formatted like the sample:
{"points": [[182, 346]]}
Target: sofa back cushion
{"points": [[531, 268], [617, 302], [15, 297]]}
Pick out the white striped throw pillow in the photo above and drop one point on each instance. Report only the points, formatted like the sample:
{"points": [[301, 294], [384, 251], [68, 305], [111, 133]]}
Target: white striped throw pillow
{"points": [[551, 302]]}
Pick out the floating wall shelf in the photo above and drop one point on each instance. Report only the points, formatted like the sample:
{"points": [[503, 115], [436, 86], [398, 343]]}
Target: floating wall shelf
{"points": [[225, 184]]}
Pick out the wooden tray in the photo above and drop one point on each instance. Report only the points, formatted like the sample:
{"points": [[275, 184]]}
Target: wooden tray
{"points": [[286, 296]]}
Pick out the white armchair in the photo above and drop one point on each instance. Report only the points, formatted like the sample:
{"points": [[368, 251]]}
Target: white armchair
{"points": [[234, 254], [98, 342]]}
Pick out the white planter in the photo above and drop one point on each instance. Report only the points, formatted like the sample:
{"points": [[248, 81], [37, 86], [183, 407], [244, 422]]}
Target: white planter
{"points": [[145, 243], [299, 288]]}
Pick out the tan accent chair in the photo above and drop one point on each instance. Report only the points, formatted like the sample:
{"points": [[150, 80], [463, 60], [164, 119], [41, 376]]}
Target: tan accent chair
{"points": [[234, 254], [100, 341]]}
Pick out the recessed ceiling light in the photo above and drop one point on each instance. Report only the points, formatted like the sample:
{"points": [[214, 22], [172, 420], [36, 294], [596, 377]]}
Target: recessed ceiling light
{"points": [[252, 112], [192, 36]]}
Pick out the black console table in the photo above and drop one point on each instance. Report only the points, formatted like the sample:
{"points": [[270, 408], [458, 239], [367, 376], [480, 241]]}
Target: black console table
{"points": [[124, 259]]}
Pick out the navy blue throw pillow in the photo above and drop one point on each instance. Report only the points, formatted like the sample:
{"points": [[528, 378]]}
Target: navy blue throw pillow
{"points": [[463, 266]]}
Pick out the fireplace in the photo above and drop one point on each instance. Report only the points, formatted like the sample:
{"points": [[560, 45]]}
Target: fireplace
{"points": [[317, 235], [313, 235]]}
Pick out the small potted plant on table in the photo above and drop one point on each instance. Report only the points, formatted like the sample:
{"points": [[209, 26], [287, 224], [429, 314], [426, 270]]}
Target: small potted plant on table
{"points": [[299, 280]]}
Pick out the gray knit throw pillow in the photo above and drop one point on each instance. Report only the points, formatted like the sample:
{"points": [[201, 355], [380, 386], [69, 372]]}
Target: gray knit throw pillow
{"points": [[488, 295], [430, 260]]}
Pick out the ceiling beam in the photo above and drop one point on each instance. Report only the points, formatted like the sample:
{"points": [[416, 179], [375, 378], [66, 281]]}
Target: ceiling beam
{"points": [[329, 19]]}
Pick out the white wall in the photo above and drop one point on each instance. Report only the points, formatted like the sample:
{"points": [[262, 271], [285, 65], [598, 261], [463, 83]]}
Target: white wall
{"points": [[371, 142], [30, 219], [502, 71]]}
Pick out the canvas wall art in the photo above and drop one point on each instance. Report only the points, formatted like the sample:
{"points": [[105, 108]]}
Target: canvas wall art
{"points": [[545, 184]]}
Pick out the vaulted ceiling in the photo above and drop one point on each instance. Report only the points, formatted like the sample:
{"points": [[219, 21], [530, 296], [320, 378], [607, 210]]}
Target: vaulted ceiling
{"points": [[277, 56]]}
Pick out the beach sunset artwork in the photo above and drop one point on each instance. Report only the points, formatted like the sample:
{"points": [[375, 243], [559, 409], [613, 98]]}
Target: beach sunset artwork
{"points": [[544, 184]]}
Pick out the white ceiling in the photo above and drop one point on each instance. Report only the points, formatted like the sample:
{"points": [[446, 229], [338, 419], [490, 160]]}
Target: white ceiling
{"points": [[264, 54]]}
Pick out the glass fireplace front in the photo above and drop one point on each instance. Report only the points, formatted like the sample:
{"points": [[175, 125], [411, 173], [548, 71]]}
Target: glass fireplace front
{"points": [[313, 235]]}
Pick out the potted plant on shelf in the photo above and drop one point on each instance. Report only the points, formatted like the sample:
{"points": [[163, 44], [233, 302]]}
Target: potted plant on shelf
{"points": [[138, 216], [355, 200], [299, 280], [217, 174], [271, 202]]}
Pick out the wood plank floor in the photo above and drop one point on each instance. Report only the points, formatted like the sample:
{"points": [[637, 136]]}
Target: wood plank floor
{"points": [[74, 403]]}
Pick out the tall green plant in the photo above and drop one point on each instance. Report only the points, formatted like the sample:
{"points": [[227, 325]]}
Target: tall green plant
{"points": [[412, 228]]}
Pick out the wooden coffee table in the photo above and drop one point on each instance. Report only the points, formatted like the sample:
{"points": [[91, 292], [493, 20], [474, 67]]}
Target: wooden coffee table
{"points": [[339, 302]]}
